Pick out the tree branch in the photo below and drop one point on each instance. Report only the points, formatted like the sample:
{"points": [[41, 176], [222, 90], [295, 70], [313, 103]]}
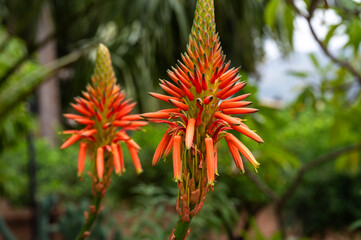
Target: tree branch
{"points": [[325, 50], [308, 17], [261, 185], [315, 163]]}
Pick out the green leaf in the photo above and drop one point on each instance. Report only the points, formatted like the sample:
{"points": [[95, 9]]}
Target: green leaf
{"points": [[330, 33], [299, 74], [354, 32], [289, 17], [270, 12], [314, 60]]}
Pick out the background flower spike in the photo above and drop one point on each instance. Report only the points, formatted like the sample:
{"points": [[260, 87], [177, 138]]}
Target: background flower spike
{"points": [[105, 116]]}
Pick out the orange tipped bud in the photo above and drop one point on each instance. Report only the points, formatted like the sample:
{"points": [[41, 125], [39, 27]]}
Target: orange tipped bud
{"points": [[189, 94], [230, 120], [121, 158], [161, 148], [162, 115], [135, 158], [238, 98], [215, 159], [81, 158], [116, 159], [162, 97], [133, 144], [236, 157], [208, 99], [73, 139], [81, 110], [89, 133], [100, 163], [237, 104], [72, 116], [190, 133], [84, 121], [239, 110], [179, 104], [233, 90], [170, 91], [248, 132], [133, 117], [169, 147], [243, 149], [210, 160], [177, 164]]}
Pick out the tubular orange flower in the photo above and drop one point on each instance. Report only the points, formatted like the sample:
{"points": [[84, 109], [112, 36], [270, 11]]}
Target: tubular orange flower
{"points": [[177, 158], [100, 163], [190, 132], [210, 160], [202, 83], [105, 114], [81, 158]]}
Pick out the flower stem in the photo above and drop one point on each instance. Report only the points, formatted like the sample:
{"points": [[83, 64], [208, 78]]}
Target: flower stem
{"points": [[91, 218], [181, 229]]}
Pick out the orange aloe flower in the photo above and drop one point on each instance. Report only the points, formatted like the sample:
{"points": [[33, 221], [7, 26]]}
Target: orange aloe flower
{"points": [[105, 114], [201, 90]]}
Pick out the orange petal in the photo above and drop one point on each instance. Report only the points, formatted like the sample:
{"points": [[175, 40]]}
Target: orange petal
{"points": [[169, 147], [243, 149], [210, 160], [177, 163], [100, 163], [208, 99], [230, 120], [161, 147], [235, 104], [133, 144], [81, 158], [162, 115], [116, 159], [239, 110], [179, 104], [73, 139], [233, 90], [162, 97], [81, 109], [170, 91], [89, 133], [135, 158], [84, 121], [236, 157], [215, 160], [238, 98], [190, 133], [248, 132], [121, 158], [132, 117]]}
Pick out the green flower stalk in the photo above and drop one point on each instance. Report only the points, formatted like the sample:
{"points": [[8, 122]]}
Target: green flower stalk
{"points": [[201, 93], [105, 114]]}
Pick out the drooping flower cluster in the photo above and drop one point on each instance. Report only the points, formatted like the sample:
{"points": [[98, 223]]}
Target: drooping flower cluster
{"points": [[105, 114], [201, 87]]}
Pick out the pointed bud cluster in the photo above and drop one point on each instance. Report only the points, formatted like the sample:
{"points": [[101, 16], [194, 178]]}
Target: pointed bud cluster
{"points": [[201, 90], [105, 114]]}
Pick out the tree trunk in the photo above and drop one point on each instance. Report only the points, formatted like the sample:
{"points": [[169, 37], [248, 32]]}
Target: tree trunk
{"points": [[48, 92]]}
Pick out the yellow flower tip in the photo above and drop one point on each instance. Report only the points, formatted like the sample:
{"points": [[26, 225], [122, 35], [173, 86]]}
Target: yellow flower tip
{"points": [[139, 171]]}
